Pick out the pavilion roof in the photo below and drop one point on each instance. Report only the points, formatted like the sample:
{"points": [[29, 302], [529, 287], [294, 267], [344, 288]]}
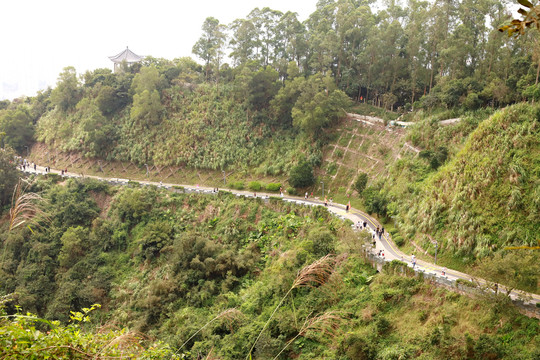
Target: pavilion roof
{"points": [[126, 55]]}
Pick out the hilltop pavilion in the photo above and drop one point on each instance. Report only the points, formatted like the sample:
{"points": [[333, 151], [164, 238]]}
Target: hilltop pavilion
{"points": [[128, 56]]}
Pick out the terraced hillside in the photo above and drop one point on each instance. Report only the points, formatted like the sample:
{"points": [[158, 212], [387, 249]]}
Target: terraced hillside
{"points": [[361, 144]]}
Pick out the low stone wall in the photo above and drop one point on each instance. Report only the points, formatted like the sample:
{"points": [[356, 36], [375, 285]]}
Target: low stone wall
{"points": [[382, 265]]}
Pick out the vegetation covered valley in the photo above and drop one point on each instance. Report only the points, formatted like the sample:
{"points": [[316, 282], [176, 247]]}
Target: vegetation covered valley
{"points": [[216, 276]]}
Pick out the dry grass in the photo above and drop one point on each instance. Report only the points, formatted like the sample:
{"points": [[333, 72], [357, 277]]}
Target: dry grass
{"points": [[313, 275], [128, 343], [24, 206], [326, 324]]}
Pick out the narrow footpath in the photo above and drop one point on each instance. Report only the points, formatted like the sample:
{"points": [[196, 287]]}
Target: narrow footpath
{"points": [[383, 245]]}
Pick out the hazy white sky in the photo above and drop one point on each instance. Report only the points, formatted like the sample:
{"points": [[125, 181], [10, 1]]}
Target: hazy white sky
{"points": [[40, 38]]}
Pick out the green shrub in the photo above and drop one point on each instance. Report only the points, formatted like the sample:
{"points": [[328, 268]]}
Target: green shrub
{"points": [[273, 186], [315, 159], [238, 185], [383, 326], [291, 190], [465, 283], [399, 240], [254, 185], [375, 201], [21, 340], [8, 175], [331, 169], [55, 178], [354, 346], [153, 238], [323, 241], [361, 182], [301, 175]]}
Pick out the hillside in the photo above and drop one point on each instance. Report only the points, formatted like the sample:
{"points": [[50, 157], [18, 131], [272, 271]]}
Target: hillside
{"points": [[352, 104], [487, 196], [171, 264]]}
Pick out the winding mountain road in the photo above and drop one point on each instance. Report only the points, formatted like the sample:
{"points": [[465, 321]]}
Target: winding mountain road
{"points": [[384, 244]]}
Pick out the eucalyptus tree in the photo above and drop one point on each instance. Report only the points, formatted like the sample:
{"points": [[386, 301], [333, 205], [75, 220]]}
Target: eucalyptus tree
{"points": [[266, 21], [210, 46], [392, 65], [263, 87], [243, 42], [416, 45], [17, 126], [346, 24], [291, 42], [323, 39], [284, 101], [354, 24]]}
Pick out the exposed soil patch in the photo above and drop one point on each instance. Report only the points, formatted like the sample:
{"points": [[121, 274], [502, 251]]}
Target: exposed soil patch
{"points": [[103, 201]]}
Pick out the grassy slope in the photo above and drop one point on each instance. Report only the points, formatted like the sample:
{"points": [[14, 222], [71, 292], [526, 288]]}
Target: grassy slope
{"points": [[487, 197]]}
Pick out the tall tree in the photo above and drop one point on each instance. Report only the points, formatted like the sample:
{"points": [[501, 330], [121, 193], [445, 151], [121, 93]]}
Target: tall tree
{"points": [[210, 45], [265, 22], [67, 92], [291, 41], [243, 41], [318, 105], [18, 127], [416, 41]]}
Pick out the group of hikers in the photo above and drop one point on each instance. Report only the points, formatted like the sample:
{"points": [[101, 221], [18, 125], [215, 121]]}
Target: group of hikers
{"points": [[379, 232], [25, 164]]}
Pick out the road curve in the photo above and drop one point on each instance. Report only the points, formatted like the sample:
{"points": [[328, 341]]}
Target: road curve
{"points": [[384, 245]]}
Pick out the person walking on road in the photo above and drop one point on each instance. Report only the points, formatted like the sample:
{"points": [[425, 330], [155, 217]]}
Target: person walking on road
{"points": [[305, 196], [413, 260]]}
